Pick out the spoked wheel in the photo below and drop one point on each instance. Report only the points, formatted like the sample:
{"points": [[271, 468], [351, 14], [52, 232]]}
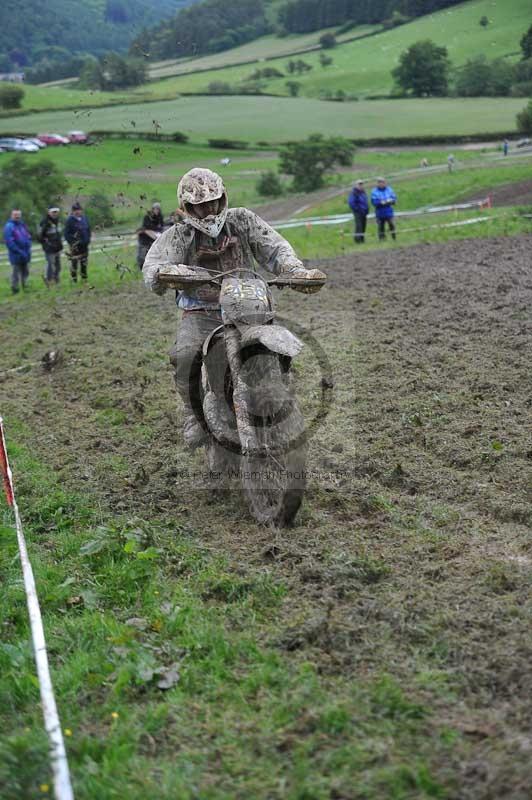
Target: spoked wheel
{"points": [[273, 473]]}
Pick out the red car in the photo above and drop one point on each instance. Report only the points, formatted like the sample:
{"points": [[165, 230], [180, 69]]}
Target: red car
{"points": [[53, 138], [77, 137]]}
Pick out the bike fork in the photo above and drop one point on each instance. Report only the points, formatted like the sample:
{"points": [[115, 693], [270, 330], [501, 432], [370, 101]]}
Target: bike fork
{"points": [[245, 427]]}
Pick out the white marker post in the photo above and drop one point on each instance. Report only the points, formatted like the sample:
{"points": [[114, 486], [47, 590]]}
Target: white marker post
{"points": [[62, 785]]}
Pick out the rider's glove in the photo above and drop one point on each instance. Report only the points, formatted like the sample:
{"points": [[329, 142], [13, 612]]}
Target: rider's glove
{"points": [[307, 275]]}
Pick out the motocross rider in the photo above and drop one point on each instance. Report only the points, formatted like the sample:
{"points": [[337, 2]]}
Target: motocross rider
{"points": [[208, 234]]}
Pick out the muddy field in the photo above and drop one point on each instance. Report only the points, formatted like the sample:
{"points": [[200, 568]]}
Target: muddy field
{"points": [[412, 553], [513, 194]]}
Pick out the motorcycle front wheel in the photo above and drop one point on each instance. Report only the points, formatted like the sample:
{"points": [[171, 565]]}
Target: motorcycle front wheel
{"points": [[273, 472]]}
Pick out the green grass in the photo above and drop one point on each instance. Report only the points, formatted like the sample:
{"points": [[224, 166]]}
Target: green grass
{"points": [[37, 98], [273, 120], [362, 68], [264, 47], [128, 602], [113, 267], [313, 241], [108, 267], [133, 173], [307, 664], [469, 179]]}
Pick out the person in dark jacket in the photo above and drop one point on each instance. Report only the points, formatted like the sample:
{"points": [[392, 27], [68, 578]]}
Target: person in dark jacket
{"points": [[78, 236], [152, 227], [358, 203], [51, 239], [18, 242], [384, 198]]}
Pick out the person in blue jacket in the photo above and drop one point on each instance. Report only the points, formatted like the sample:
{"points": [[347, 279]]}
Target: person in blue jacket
{"points": [[78, 236], [358, 203], [18, 242], [384, 198]]}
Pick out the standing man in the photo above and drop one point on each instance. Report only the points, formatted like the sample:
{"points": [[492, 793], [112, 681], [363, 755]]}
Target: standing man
{"points": [[450, 162], [18, 242], [505, 147], [51, 239], [152, 227], [358, 203], [78, 235], [384, 198]]}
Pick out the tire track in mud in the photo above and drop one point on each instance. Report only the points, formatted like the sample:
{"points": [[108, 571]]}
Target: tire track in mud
{"points": [[412, 552]]}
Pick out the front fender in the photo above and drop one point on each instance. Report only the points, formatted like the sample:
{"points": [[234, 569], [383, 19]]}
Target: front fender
{"points": [[274, 337]]}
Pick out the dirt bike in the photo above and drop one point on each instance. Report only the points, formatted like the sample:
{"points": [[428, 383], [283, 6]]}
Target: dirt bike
{"points": [[244, 398]]}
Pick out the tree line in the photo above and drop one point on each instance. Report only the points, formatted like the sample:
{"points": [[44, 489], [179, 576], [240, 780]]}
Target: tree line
{"points": [[207, 27], [303, 16], [214, 25], [29, 29]]}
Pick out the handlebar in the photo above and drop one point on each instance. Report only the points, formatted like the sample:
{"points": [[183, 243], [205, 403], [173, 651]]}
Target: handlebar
{"points": [[173, 281]]}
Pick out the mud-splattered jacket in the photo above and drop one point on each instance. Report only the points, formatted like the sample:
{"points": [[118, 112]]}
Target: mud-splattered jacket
{"points": [[179, 245]]}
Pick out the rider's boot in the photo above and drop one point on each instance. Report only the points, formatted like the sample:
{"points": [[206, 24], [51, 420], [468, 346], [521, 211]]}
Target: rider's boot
{"points": [[194, 434]]}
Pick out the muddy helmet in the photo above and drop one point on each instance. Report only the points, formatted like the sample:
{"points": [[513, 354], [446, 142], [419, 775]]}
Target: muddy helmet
{"points": [[199, 186]]}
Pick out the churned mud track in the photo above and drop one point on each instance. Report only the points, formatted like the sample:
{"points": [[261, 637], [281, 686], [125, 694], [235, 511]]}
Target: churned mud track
{"points": [[412, 554], [512, 194]]}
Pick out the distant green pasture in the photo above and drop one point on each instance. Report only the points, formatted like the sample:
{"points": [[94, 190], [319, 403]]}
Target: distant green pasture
{"points": [[359, 68], [265, 47], [133, 173], [363, 67], [275, 120]]}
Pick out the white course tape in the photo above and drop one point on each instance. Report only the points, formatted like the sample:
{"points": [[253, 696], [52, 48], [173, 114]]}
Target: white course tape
{"points": [[62, 784]]}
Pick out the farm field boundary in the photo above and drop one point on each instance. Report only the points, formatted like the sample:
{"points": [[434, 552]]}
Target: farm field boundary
{"points": [[257, 118]]}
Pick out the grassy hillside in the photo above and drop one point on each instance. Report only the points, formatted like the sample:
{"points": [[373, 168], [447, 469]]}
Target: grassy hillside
{"points": [[359, 68], [280, 119], [363, 67], [265, 47]]}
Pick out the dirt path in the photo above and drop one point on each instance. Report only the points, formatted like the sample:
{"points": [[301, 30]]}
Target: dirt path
{"points": [[412, 553], [511, 194]]}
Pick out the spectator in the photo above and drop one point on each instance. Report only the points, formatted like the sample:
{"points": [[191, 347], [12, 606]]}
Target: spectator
{"points": [[450, 162], [505, 147], [384, 198], [358, 203], [152, 227], [51, 239], [18, 242], [78, 236]]}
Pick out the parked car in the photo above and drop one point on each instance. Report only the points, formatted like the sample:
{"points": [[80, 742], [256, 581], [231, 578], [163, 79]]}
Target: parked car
{"points": [[15, 145], [38, 142], [77, 137], [523, 142], [23, 146], [53, 138]]}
